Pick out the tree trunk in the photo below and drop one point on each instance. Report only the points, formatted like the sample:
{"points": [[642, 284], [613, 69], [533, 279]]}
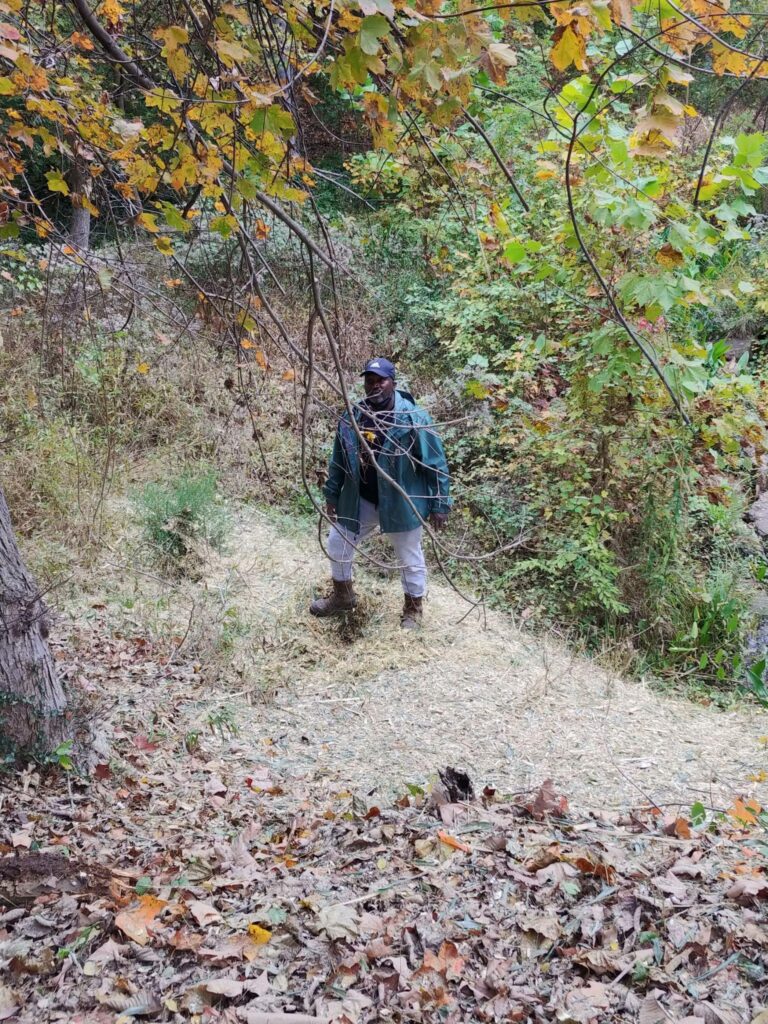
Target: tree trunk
{"points": [[82, 184], [32, 701]]}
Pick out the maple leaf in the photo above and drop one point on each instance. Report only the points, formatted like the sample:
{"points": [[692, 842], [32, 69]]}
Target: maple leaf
{"points": [[446, 961], [112, 11], [547, 801], [570, 47], [745, 812], [81, 41], [136, 920]]}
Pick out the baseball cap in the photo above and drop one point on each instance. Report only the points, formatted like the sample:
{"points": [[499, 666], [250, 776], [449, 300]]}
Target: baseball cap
{"points": [[381, 367]]}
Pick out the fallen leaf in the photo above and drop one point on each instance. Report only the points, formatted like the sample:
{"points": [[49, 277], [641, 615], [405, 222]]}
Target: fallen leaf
{"points": [[454, 843], [590, 862], [652, 1012], [204, 913], [547, 802], [135, 921], [9, 1002], [236, 947], [747, 889], [339, 922], [108, 952], [185, 939], [225, 987], [543, 924], [745, 813], [446, 961], [139, 740], [259, 935]]}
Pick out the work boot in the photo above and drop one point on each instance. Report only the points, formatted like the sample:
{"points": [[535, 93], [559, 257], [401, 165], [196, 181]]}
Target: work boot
{"points": [[411, 617], [342, 599]]}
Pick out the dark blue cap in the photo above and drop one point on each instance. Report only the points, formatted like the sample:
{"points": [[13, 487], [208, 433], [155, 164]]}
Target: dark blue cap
{"points": [[381, 367]]}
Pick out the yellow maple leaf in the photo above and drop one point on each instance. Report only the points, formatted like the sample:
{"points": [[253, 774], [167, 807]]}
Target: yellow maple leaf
{"points": [[148, 221], [569, 48], [112, 11], [349, 21], [163, 245]]}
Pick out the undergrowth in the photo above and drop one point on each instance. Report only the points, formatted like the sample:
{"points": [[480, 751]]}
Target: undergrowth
{"points": [[181, 514]]}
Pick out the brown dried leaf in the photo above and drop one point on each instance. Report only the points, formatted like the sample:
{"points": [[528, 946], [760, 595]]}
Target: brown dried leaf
{"points": [[10, 1003], [228, 987], [547, 802], [446, 962], [185, 939], [339, 922], [652, 1012], [748, 888], [601, 961], [236, 947], [204, 913], [547, 925]]}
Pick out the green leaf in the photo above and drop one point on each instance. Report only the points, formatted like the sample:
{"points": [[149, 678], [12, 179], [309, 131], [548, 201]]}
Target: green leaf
{"points": [[276, 915], [476, 389], [222, 226], [144, 885], [246, 188], [371, 30], [174, 219], [273, 119], [514, 252], [697, 813], [626, 83], [749, 148]]}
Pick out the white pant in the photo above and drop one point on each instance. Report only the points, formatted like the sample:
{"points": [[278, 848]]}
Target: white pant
{"points": [[342, 546]]}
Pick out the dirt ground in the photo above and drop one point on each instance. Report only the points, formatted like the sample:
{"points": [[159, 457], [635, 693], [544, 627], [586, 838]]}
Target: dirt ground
{"points": [[372, 708]]}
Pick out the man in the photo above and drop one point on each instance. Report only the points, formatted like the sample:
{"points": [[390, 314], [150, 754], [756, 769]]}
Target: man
{"points": [[388, 469]]}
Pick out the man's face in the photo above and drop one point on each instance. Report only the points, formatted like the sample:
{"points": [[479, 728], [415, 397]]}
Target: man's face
{"points": [[378, 390]]}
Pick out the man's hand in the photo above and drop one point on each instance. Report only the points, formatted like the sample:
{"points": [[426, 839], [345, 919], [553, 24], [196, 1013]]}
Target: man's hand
{"points": [[438, 521], [330, 511]]}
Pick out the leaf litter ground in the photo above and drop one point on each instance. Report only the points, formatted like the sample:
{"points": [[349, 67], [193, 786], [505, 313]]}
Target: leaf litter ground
{"points": [[227, 868]]}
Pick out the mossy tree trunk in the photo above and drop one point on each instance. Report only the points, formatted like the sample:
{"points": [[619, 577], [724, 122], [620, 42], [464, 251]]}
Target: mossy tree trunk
{"points": [[32, 700]]}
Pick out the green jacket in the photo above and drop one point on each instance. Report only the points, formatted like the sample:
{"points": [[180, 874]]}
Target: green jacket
{"points": [[412, 454]]}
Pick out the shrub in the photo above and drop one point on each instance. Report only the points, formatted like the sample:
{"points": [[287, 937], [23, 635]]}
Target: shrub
{"points": [[183, 514]]}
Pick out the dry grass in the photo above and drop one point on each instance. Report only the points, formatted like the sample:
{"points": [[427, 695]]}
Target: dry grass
{"points": [[374, 708]]}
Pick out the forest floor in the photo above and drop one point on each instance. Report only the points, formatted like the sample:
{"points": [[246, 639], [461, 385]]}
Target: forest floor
{"points": [[363, 703], [236, 852]]}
